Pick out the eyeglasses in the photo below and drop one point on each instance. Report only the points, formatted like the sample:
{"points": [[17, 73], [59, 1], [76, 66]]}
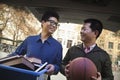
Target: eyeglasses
{"points": [[53, 23]]}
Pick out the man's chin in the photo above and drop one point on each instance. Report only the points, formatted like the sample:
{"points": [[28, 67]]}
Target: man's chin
{"points": [[51, 32]]}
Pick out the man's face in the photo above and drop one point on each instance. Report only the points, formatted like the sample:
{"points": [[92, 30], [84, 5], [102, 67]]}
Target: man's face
{"points": [[87, 34], [50, 25]]}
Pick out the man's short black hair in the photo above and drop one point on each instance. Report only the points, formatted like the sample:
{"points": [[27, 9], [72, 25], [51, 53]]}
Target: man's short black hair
{"points": [[95, 25], [49, 14]]}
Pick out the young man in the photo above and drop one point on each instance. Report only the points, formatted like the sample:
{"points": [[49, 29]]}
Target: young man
{"points": [[90, 31], [43, 47]]}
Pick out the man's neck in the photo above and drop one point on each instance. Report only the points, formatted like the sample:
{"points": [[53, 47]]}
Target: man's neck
{"points": [[88, 44], [44, 36]]}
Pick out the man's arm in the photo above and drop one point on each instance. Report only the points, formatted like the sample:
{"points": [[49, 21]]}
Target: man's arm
{"points": [[21, 49], [106, 72], [65, 62]]}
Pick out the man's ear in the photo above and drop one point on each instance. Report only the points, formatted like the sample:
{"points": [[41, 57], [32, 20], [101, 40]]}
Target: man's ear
{"points": [[96, 33], [42, 22]]}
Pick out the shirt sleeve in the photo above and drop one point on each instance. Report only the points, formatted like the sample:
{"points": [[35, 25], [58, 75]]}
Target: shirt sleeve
{"points": [[21, 49], [107, 69]]}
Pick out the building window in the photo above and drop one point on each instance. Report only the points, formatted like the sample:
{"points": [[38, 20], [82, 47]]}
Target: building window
{"points": [[110, 45], [69, 43], [111, 57], [119, 46]]}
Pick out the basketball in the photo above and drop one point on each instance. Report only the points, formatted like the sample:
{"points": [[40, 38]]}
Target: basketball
{"points": [[82, 69]]}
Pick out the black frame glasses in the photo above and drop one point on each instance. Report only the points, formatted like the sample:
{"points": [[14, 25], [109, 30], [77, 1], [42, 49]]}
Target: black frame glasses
{"points": [[53, 23]]}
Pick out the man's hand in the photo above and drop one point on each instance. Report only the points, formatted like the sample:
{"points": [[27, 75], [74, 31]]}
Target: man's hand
{"points": [[98, 77], [50, 69], [67, 71]]}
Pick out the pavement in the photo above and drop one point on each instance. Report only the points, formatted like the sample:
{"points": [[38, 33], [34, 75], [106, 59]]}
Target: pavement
{"points": [[59, 76], [116, 75]]}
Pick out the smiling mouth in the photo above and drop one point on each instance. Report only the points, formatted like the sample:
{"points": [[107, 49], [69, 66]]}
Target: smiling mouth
{"points": [[52, 29]]}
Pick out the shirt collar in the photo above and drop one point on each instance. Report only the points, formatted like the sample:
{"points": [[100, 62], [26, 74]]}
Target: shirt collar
{"points": [[38, 38], [91, 47], [95, 47]]}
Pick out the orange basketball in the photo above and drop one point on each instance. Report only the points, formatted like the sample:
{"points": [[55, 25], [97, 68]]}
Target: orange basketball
{"points": [[82, 69]]}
